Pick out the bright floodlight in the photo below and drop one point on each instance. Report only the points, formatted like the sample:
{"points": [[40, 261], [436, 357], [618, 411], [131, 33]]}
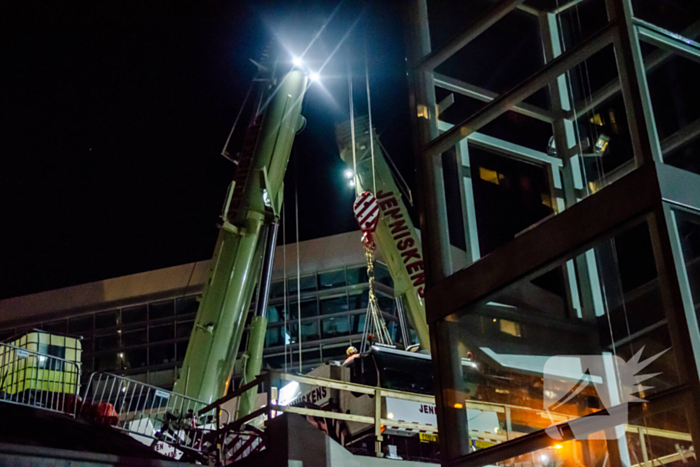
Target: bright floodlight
{"points": [[348, 174], [315, 76], [351, 183], [296, 61]]}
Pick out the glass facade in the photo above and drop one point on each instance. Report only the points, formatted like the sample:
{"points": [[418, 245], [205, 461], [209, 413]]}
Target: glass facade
{"points": [[563, 287], [333, 307], [148, 341]]}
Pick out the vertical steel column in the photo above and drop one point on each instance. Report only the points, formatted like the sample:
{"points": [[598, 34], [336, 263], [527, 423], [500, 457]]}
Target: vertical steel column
{"points": [[471, 232], [588, 300], [436, 244], [633, 80], [431, 186]]}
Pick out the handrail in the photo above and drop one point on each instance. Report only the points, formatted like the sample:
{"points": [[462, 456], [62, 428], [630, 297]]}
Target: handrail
{"points": [[222, 400], [149, 412], [504, 436]]}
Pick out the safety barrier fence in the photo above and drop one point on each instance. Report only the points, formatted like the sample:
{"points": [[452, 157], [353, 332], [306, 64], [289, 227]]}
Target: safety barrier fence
{"points": [[38, 380], [151, 414]]}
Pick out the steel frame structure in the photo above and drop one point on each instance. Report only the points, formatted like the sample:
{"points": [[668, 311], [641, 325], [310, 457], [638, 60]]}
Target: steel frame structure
{"points": [[578, 222]]}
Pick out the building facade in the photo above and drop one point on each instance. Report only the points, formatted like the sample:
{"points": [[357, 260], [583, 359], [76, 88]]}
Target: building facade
{"points": [[567, 131], [140, 325]]}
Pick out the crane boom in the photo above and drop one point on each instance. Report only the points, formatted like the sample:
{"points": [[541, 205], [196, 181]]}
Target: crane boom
{"points": [[395, 234], [253, 204]]}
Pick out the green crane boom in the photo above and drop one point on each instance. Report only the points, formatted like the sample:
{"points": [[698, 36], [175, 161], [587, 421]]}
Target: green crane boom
{"points": [[250, 215], [395, 234]]}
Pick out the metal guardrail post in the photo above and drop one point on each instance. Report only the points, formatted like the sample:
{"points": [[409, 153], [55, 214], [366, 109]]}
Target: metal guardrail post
{"points": [[378, 422], [509, 425]]}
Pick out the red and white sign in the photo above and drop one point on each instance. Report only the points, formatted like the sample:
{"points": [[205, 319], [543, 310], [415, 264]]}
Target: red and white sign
{"points": [[366, 211]]}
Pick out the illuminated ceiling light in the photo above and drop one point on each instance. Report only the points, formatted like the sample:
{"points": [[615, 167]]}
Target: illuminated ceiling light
{"points": [[602, 143], [348, 173], [288, 393], [314, 76], [351, 183], [297, 61], [558, 446]]}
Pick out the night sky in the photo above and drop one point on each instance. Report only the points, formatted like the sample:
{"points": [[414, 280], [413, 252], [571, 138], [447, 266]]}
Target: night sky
{"points": [[114, 115]]}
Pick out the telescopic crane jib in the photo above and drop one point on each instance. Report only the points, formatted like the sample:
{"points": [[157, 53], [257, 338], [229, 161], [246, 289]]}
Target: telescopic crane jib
{"points": [[248, 234]]}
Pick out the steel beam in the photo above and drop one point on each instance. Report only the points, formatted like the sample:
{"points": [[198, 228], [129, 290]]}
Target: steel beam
{"points": [[633, 80], [484, 95], [506, 101], [568, 233], [672, 42], [680, 138], [651, 62], [471, 32]]}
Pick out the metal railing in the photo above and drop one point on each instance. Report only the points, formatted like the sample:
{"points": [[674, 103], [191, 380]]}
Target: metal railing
{"points": [[150, 414], [38, 380], [272, 409], [506, 413]]}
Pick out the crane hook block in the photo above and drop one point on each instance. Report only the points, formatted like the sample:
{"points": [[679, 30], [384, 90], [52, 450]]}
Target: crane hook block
{"points": [[366, 212]]}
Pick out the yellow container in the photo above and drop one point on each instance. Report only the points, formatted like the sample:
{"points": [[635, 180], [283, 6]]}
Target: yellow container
{"points": [[40, 361]]}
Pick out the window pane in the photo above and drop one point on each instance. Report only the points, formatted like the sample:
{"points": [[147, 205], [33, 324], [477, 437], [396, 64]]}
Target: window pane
{"points": [[357, 275], [136, 337], [336, 327], [161, 309], [161, 333], [184, 329], [107, 342], [6, 334], [181, 351], [309, 309], [359, 300], [160, 354], [275, 313], [357, 323], [329, 280], [308, 284], [134, 314], [277, 289], [334, 305], [135, 358], [274, 336], [107, 362], [186, 305], [80, 324], [386, 304], [309, 331], [381, 275], [107, 319], [88, 365], [57, 327], [86, 344], [335, 353]]}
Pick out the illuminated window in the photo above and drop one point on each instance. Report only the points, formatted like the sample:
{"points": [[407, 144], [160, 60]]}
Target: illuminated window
{"points": [[490, 176], [510, 327]]}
